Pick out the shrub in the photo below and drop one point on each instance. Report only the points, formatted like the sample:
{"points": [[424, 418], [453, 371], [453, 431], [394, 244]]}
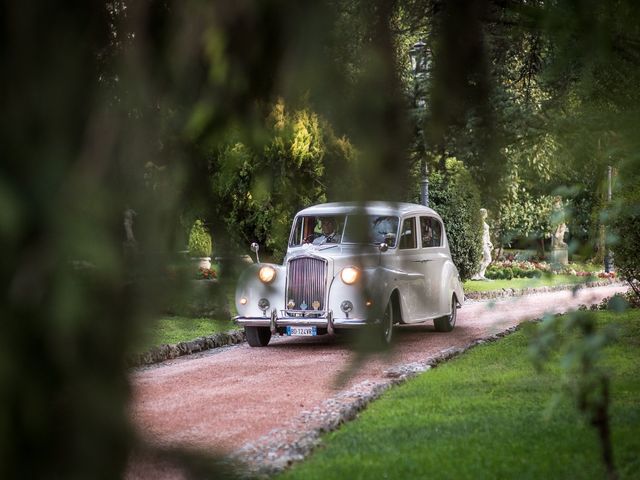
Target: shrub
{"points": [[258, 187], [618, 302], [199, 240], [455, 196], [492, 272], [626, 225]]}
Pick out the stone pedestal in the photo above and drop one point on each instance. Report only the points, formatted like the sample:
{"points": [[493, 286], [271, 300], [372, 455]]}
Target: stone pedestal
{"points": [[203, 262], [559, 255]]}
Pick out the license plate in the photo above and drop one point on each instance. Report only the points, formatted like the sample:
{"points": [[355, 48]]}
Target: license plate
{"points": [[302, 331]]}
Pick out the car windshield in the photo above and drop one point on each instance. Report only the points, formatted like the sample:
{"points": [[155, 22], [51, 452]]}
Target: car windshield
{"points": [[335, 229], [371, 229]]}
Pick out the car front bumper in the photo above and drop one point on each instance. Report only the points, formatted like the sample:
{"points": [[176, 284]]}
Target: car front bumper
{"points": [[320, 320]]}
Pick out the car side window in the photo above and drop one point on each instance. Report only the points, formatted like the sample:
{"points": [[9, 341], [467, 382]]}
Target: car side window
{"points": [[408, 234], [430, 232]]}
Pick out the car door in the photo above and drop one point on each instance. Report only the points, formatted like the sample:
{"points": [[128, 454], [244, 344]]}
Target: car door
{"points": [[412, 284], [432, 257]]}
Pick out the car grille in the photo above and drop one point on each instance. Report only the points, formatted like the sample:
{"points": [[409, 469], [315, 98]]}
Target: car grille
{"points": [[306, 283]]}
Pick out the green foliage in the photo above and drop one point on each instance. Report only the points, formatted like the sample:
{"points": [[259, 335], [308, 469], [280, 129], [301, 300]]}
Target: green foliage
{"points": [[194, 298], [66, 309], [512, 272], [581, 345], [626, 227], [455, 196], [521, 214], [259, 188], [199, 240], [546, 78]]}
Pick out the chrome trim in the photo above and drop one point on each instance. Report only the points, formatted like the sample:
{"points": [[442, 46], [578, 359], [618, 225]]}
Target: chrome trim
{"points": [[303, 313], [328, 322], [311, 322], [330, 329], [272, 321]]}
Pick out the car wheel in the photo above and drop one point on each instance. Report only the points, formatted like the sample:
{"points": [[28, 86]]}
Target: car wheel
{"points": [[257, 336], [386, 327], [446, 323]]}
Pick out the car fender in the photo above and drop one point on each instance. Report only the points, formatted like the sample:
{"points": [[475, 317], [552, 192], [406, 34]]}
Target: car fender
{"points": [[253, 289], [449, 284], [382, 283]]}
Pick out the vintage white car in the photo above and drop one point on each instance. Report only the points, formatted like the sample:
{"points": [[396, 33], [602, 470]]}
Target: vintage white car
{"points": [[353, 265]]}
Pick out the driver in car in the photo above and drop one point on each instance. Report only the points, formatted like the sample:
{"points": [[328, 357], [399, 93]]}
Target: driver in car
{"points": [[328, 234]]}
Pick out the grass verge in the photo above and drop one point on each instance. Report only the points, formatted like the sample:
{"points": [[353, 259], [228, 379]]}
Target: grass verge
{"points": [[174, 329], [487, 415], [519, 283]]}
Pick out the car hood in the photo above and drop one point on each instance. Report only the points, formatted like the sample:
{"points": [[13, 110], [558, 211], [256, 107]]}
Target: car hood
{"points": [[340, 255]]}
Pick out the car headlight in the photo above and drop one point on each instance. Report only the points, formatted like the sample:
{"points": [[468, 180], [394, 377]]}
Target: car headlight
{"points": [[350, 275], [266, 274]]}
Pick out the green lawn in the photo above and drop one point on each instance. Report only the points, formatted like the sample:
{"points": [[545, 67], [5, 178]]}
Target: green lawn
{"points": [[518, 283], [174, 329], [482, 416]]}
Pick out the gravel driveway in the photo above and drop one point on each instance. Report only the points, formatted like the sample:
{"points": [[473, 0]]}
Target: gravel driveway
{"points": [[240, 399]]}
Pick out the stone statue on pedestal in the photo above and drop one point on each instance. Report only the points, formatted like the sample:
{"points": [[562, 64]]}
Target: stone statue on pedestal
{"points": [[130, 245], [487, 246], [559, 250], [128, 225], [557, 240]]}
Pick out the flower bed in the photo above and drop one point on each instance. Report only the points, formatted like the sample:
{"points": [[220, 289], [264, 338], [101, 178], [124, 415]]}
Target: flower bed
{"points": [[207, 274]]}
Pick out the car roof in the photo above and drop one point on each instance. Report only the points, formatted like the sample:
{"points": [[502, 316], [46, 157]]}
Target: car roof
{"points": [[371, 208]]}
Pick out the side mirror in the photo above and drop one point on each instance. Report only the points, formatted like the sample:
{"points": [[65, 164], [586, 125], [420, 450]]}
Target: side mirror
{"points": [[254, 248], [383, 247]]}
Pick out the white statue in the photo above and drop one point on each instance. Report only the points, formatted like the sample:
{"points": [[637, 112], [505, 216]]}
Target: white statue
{"points": [[487, 246], [128, 225], [557, 239]]}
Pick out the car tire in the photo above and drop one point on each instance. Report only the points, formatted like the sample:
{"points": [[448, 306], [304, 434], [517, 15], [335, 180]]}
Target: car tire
{"points": [[257, 336], [446, 323]]}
